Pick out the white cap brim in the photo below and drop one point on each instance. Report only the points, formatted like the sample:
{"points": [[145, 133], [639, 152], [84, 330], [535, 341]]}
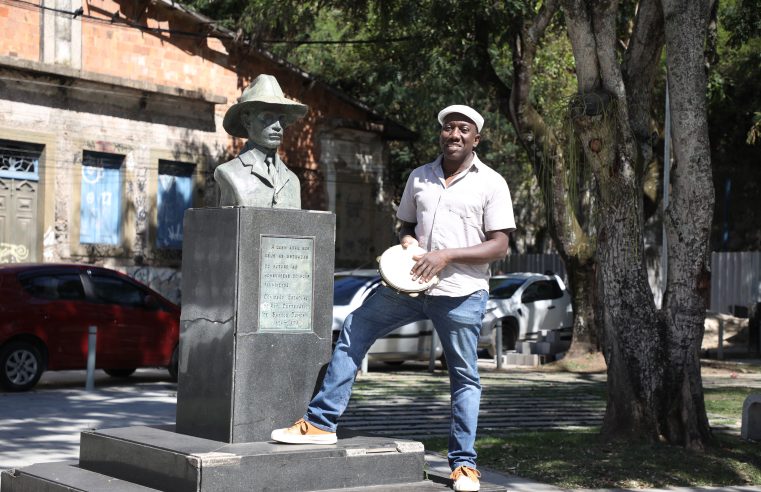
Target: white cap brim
{"points": [[463, 110]]}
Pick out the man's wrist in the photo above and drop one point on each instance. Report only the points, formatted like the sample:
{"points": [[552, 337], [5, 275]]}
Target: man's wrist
{"points": [[407, 239]]}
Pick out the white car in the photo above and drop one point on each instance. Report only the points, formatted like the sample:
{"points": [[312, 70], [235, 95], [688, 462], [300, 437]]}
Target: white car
{"points": [[408, 342], [526, 304]]}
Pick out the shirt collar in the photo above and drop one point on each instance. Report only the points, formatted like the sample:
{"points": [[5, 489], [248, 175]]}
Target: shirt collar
{"points": [[475, 165], [258, 153]]}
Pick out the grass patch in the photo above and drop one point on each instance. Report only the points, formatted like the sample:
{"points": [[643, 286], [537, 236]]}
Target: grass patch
{"points": [[580, 459], [726, 401]]}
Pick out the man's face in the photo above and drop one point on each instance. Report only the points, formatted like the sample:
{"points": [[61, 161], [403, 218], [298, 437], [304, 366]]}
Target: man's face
{"points": [[459, 136], [265, 128]]}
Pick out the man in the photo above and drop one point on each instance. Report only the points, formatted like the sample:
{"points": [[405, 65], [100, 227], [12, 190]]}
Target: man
{"points": [[459, 210], [258, 177]]}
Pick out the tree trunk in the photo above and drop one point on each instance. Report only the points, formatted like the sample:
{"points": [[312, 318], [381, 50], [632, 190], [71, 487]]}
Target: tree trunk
{"points": [[583, 286], [688, 223], [632, 333], [654, 386]]}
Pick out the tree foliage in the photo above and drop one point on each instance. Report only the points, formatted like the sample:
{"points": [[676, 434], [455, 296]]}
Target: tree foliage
{"points": [[419, 58], [735, 115]]}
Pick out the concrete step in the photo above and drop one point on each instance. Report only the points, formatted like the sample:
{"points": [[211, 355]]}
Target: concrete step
{"points": [[541, 347], [66, 476], [521, 359], [63, 476], [169, 461], [558, 336]]}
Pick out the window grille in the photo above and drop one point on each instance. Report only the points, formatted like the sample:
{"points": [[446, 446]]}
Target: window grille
{"points": [[20, 160]]}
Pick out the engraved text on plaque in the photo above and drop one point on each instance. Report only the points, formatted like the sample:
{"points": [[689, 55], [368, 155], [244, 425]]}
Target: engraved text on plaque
{"points": [[285, 286]]}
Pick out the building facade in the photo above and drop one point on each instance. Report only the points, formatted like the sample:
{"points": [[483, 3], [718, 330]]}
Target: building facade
{"points": [[110, 128]]}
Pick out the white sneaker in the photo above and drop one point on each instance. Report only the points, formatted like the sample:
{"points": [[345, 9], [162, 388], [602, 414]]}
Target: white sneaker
{"points": [[465, 479], [302, 432]]}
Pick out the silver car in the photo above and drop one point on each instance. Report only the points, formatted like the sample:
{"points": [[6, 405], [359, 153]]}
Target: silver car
{"points": [[525, 304], [408, 342]]}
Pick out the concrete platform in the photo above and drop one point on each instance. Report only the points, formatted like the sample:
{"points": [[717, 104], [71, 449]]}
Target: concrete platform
{"points": [[140, 459], [166, 460]]}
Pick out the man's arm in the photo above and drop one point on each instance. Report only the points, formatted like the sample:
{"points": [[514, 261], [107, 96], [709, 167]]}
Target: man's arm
{"points": [[407, 234], [430, 264]]}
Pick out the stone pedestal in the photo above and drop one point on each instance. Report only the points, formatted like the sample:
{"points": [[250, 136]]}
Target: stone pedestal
{"points": [[256, 319]]}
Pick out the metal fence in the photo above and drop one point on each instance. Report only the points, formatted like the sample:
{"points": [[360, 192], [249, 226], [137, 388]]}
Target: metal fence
{"points": [[538, 263], [735, 277], [735, 281]]}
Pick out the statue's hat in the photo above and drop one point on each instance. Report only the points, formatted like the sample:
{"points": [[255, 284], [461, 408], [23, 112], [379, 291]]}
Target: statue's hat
{"points": [[264, 94]]}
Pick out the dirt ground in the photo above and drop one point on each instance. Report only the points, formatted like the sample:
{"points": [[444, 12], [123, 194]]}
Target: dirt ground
{"points": [[735, 332], [735, 335]]}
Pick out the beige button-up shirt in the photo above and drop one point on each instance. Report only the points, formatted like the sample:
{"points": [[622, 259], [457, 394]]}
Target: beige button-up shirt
{"points": [[477, 201]]}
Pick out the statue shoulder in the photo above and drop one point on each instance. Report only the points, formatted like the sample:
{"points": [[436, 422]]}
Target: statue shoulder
{"points": [[291, 174], [226, 169]]}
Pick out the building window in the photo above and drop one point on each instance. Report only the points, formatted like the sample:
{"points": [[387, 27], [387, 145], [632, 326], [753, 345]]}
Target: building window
{"points": [[19, 160], [101, 198], [175, 195]]}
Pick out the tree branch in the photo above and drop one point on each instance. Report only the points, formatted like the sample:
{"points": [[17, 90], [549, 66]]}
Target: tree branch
{"points": [[542, 20], [540, 142], [604, 25], [639, 67], [580, 32]]}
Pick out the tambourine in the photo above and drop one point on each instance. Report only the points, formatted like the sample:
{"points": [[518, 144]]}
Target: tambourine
{"points": [[395, 265]]}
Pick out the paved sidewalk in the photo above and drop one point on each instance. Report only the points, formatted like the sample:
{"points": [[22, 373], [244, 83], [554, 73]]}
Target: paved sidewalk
{"points": [[44, 425]]}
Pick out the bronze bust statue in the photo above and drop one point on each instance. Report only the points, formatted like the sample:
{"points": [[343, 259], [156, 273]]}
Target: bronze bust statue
{"points": [[258, 177]]}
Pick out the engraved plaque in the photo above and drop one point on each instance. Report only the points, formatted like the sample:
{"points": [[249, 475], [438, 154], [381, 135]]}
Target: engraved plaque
{"points": [[286, 283]]}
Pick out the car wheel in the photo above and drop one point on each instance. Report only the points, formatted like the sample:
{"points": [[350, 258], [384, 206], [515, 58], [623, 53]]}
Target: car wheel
{"points": [[174, 364], [120, 373], [22, 366], [509, 327]]}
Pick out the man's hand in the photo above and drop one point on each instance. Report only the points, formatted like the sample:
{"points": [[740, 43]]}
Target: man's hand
{"points": [[428, 265], [408, 241]]}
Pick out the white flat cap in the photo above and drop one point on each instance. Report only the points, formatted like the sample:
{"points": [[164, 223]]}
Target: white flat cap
{"points": [[464, 110]]}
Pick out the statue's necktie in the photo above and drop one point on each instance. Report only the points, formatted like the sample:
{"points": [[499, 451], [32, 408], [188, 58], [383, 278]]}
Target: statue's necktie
{"points": [[270, 160]]}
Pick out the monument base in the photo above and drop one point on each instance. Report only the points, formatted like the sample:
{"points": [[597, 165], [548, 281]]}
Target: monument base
{"points": [[140, 459]]}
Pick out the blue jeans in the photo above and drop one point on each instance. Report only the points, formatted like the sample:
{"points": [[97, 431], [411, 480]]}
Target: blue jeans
{"points": [[458, 323]]}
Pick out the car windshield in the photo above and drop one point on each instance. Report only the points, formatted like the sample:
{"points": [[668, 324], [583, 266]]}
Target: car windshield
{"points": [[345, 287], [503, 288]]}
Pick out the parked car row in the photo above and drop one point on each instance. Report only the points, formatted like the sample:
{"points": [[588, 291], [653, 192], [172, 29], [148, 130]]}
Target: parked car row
{"points": [[47, 309]]}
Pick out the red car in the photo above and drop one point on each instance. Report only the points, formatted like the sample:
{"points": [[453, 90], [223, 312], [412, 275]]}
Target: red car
{"points": [[46, 310]]}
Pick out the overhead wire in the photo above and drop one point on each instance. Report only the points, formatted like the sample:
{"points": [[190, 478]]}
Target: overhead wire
{"points": [[118, 20]]}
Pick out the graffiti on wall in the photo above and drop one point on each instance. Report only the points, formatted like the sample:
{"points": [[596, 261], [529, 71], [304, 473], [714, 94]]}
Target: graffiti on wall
{"points": [[13, 253]]}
